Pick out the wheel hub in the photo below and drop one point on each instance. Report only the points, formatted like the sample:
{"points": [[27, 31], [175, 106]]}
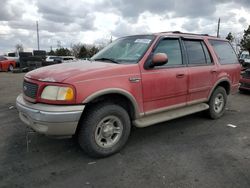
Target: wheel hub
{"points": [[108, 131], [218, 103]]}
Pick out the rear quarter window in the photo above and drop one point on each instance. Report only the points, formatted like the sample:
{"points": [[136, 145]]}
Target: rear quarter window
{"points": [[224, 52]]}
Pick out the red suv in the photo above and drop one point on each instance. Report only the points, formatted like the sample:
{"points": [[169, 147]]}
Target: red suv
{"points": [[137, 80]]}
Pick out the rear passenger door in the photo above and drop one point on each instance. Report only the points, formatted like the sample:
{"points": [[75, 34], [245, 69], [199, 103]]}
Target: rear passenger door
{"points": [[201, 70]]}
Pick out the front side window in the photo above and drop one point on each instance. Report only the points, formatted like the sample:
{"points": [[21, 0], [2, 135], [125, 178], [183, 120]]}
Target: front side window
{"points": [[125, 50], [172, 48], [224, 52]]}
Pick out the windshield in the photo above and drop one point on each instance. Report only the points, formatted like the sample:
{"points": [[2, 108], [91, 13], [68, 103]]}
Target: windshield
{"points": [[125, 50]]}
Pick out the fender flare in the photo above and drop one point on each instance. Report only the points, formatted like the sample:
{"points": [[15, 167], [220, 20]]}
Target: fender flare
{"points": [[123, 92], [217, 83]]}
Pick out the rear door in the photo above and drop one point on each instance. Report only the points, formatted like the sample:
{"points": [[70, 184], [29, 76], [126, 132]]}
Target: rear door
{"points": [[201, 70], [228, 62]]}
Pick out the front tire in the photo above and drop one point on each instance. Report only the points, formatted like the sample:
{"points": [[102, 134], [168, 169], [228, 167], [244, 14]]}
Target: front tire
{"points": [[217, 103], [104, 130]]}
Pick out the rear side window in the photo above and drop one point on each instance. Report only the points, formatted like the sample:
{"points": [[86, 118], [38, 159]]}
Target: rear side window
{"points": [[197, 52], [224, 51], [172, 48]]}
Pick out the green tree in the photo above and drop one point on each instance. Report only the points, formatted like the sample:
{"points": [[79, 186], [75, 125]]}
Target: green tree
{"points": [[245, 41], [51, 52], [75, 48], [92, 51], [230, 37], [63, 52], [83, 53]]}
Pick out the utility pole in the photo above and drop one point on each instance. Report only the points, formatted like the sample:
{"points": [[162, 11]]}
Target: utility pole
{"points": [[218, 29], [111, 39], [37, 34]]}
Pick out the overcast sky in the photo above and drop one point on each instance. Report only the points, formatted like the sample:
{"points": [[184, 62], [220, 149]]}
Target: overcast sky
{"points": [[95, 21]]}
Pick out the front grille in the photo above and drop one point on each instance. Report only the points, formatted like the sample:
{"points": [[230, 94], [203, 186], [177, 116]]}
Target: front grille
{"points": [[30, 89]]}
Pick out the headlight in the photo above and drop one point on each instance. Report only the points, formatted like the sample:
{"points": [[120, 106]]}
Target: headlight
{"points": [[57, 93]]}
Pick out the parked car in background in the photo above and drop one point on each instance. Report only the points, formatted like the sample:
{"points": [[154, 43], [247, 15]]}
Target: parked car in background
{"points": [[6, 64], [245, 59], [137, 80], [13, 56], [27, 60], [53, 59], [245, 81], [68, 59], [59, 58]]}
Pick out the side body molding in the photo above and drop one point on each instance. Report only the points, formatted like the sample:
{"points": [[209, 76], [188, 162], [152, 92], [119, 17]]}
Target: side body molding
{"points": [[125, 93]]}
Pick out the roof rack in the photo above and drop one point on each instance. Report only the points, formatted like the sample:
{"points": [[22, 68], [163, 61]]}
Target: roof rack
{"points": [[179, 32]]}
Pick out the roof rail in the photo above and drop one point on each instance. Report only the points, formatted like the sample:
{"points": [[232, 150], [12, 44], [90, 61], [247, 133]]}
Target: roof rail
{"points": [[179, 32]]}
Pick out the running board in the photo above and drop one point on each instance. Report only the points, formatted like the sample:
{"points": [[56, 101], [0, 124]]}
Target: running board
{"points": [[169, 115]]}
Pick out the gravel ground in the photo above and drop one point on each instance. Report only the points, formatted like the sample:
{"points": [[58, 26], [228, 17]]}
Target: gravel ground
{"points": [[188, 152]]}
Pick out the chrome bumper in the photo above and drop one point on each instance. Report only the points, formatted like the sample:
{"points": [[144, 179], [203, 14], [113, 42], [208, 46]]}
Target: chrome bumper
{"points": [[57, 120]]}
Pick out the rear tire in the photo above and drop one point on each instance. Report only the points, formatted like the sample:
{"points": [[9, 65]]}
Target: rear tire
{"points": [[104, 130], [217, 103]]}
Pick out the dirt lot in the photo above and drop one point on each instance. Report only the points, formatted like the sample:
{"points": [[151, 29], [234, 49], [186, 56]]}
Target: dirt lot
{"points": [[189, 152]]}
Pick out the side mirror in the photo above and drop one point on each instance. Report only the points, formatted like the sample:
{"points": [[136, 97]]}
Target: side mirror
{"points": [[159, 59]]}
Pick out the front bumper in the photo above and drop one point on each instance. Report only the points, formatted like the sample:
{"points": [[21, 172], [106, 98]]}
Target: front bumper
{"points": [[56, 120]]}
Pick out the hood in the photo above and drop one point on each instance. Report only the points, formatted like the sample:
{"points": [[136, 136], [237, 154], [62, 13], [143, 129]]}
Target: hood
{"points": [[61, 72]]}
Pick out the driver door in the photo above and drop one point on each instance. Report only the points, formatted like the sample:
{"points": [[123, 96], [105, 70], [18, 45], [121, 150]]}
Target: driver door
{"points": [[166, 86]]}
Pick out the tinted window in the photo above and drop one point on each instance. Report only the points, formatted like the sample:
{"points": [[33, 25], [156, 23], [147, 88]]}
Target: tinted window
{"points": [[11, 54], [195, 52], [224, 51], [207, 54], [172, 48]]}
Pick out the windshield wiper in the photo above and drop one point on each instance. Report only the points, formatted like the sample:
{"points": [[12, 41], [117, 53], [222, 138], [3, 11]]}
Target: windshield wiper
{"points": [[107, 59]]}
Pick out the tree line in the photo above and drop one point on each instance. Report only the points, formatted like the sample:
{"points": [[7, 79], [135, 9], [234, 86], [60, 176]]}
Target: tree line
{"points": [[78, 50], [244, 42]]}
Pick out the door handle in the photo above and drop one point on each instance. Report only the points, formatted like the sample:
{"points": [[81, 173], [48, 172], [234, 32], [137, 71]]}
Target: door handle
{"points": [[180, 75], [213, 71]]}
